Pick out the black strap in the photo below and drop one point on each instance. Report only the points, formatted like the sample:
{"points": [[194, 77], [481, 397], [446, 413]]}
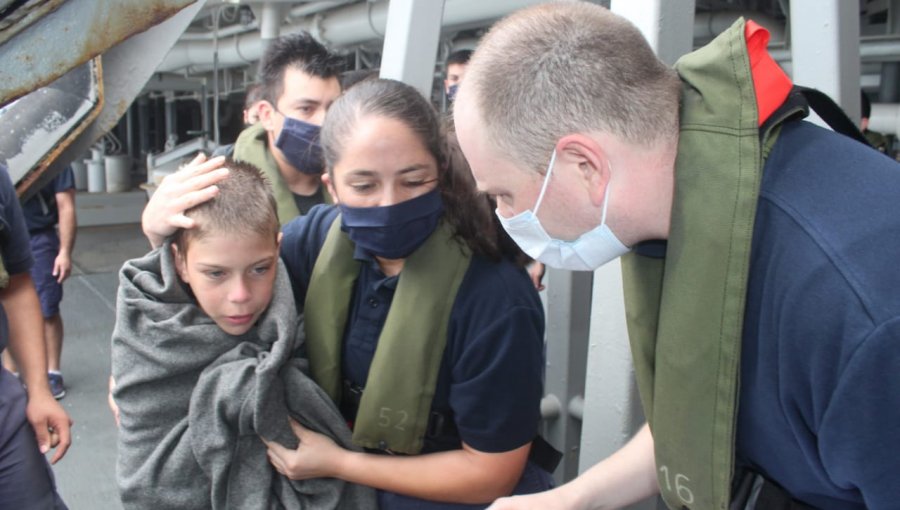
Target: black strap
{"points": [[544, 455], [753, 491], [831, 113]]}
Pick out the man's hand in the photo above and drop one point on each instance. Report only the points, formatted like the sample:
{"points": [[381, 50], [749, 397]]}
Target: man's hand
{"points": [[62, 267], [51, 424], [536, 271], [178, 192]]}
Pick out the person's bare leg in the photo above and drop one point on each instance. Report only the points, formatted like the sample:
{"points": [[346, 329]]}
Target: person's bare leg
{"points": [[53, 333]]}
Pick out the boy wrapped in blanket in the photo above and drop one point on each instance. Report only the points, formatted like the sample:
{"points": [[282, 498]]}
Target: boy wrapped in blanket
{"points": [[207, 358]]}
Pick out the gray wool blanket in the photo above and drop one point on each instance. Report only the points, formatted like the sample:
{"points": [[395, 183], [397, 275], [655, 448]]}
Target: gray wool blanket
{"points": [[195, 400]]}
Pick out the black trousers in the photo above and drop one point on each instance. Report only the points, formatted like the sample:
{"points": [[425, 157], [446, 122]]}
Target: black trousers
{"points": [[26, 481]]}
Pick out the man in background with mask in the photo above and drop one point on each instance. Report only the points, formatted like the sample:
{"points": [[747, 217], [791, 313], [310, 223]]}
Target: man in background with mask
{"points": [[762, 266], [299, 80], [456, 71]]}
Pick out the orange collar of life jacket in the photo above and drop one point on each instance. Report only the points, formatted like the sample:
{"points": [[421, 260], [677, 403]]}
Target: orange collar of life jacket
{"points": [[771, 84]]}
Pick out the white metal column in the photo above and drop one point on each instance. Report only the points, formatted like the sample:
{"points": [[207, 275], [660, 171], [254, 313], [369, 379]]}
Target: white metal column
{"points": [[668, 26], [825, 49], [612, 408], [568, 304], [411, 42]]}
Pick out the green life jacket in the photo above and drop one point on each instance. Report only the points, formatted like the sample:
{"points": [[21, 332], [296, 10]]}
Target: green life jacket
{"points": [[252, 146], [685, 312], [396, 402]]}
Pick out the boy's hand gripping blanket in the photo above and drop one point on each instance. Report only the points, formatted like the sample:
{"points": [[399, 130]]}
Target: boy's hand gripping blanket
{"points": [[194, 400]]}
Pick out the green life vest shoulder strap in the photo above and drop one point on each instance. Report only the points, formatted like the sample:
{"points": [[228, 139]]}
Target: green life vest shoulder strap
{"points": [[252, 146], [685, 312], [396, 402]]}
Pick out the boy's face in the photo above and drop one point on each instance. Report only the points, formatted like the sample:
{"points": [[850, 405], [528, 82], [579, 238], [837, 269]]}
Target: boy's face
{"points": [[231, 275]]}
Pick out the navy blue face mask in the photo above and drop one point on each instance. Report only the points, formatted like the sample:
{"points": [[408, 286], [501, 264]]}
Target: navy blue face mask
{"points": [[451, 92], [299, 142], [393, 231]]}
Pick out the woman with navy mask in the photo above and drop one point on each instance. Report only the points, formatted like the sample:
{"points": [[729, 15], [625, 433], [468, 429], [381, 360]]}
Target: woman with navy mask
{"points": [[420, 325]]}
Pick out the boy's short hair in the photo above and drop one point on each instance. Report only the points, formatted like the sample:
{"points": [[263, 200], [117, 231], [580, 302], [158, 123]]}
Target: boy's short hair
{"points": [[300, 50], [245, 205]]}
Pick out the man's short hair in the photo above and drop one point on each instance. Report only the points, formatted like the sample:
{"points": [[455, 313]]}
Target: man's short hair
{"points": [[555, 69], [459, 57], [244, 206], [299, 50]]}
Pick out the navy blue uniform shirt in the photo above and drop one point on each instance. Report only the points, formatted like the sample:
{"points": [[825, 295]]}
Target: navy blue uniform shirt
{"points": [[820, 368], [40, 210], [14, 246], [491, 376]]}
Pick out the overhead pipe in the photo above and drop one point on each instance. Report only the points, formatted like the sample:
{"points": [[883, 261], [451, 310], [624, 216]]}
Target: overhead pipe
{"points": [[345, 26], [228, 31], [311, 8], [359, 23], [339, 24], [870, 49]]}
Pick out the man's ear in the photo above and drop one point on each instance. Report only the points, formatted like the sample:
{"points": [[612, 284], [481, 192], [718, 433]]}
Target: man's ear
{"points": [[329, 185], [267, 115], [593, 165], [180, 264]]}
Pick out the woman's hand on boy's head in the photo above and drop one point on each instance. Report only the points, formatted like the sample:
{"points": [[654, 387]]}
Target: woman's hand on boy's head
{"points": [[191, 185]]}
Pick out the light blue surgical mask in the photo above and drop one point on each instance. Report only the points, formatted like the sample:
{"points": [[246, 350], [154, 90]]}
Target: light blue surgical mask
{"points": [[590, 251]]}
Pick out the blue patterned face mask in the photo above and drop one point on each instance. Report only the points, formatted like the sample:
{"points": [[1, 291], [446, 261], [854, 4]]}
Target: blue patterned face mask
{"points": [[451, 92], [299, 142], [393, 231], [590, 251]]}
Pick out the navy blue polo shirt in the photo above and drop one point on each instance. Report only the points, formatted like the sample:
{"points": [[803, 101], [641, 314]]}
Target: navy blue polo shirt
{"points": [[491, 376], [14, 247], [40, 210], [820, 368]]}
